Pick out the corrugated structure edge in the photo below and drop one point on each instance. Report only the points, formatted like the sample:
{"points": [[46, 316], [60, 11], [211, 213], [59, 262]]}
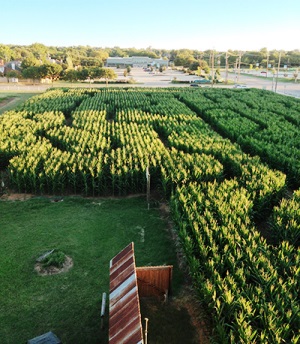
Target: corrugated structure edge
{"points": [[124, 307]]}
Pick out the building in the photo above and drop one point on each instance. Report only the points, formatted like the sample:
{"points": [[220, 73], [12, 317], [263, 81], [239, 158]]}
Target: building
{"points": [[136, 61], [2, 66], [13, 65]]}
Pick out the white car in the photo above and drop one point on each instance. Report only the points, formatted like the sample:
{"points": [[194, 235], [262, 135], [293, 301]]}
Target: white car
{"points": [[240, 86]]}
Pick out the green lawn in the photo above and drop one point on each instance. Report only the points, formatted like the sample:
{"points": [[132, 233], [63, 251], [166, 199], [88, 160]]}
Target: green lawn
{"points": [[16, 99], [91, 231]]}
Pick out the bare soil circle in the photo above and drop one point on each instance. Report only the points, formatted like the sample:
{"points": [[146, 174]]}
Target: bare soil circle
{"points": [[53, 270]]}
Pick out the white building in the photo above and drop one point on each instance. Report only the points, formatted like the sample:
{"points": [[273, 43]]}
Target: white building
{"points": [[136, 61]]}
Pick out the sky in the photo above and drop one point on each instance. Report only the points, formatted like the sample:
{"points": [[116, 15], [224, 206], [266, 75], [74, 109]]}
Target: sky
{"points": [[162, 24]]}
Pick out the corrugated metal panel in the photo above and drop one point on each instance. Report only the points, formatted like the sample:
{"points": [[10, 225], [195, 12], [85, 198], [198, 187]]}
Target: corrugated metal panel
{"points": [[124, 308]]}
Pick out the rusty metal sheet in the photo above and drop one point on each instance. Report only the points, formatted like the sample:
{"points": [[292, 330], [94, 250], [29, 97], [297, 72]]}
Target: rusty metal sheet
{"points": [[124, 308]]}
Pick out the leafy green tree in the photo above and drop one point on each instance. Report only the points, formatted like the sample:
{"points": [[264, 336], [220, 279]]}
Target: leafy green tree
{"points": [[91, 62], [51, 71], [95, 72], [71, 75], [40, 51], [32, 72], [5, 53], [99, 54], [116, 51], [12, 74], [86, 73], [20, 53], [108, 74], [69, 62], [184, 58], [30, 61]]}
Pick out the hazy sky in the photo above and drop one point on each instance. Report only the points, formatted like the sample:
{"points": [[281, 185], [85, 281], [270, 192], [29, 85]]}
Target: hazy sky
{"points": [[177, 24]]}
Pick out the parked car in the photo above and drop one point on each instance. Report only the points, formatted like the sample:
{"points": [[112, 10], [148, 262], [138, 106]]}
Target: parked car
{"points": [[195, 85], [201, 81], [240, 86]]}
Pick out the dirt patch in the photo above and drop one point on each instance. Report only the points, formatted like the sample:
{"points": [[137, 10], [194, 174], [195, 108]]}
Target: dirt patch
{"points": [[6, 101], [187, 299], [199, 319], [16, 197], [179, 320], [53, 270]]}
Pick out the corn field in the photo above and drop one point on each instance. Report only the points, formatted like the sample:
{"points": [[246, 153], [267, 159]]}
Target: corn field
{"points": [[226, 161]]}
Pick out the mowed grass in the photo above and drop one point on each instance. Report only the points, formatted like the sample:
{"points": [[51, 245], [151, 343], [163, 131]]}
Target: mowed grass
{"points": [[91, 232], [14, 99]]}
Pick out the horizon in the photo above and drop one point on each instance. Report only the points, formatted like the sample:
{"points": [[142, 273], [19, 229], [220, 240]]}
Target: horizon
{"points": [[196, 26], [143, 48]]}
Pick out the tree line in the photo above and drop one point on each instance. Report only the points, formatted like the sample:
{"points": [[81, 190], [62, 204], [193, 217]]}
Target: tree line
{"points": [[81, 62]]}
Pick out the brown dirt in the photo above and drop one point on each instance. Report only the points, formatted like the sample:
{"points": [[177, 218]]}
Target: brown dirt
{"points": [[16, 197], [7, 101], [187, 298], [53, 270]]}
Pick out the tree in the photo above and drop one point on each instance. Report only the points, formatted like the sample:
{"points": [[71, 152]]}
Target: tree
{"points": [[95, 72], [108, 74], [116, 51], [71, 75], [97, 53], [91, 62], [296, 75], [40, 51], [184, 58], [69, 62], [84, 73], [51, 71], [32, 72], [30, 61], [20, 53], [12, 74], [5, 53]]}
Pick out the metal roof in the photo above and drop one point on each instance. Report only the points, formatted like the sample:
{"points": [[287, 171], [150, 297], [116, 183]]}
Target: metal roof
{"points": [[124, 308]]}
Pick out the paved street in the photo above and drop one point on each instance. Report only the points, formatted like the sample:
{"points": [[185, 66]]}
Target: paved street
{"points": [[147, 79]]}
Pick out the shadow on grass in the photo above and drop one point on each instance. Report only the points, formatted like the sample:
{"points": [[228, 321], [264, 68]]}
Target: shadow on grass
{"points": [[169, 322]]}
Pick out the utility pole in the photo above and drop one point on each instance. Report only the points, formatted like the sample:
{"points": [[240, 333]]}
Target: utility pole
{"points": [[226, 73], [239, 68], [267, 64], [277, 71], [212, 68], [235, 70]]}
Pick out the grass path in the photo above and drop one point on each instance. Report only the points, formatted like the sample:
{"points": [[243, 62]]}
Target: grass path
{"points": [[9, 101]]}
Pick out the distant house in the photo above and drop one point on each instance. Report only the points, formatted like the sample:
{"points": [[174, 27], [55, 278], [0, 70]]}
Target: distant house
{"points": [[2, 66], [8, 67], [13, 65], [135, 61]]}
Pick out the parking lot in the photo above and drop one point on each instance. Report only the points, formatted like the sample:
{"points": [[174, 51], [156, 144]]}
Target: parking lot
{"points": [[148, 79], [142, 78]]}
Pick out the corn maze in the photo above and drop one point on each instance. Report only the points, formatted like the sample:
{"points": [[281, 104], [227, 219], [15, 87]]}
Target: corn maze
{"points": [[223, 158]]}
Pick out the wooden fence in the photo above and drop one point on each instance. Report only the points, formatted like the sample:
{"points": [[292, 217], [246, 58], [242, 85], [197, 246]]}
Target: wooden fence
{"points": [[154, 281]]}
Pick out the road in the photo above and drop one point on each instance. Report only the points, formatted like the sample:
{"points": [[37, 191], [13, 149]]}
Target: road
{"points": [[146, 79], [287, 88]]}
